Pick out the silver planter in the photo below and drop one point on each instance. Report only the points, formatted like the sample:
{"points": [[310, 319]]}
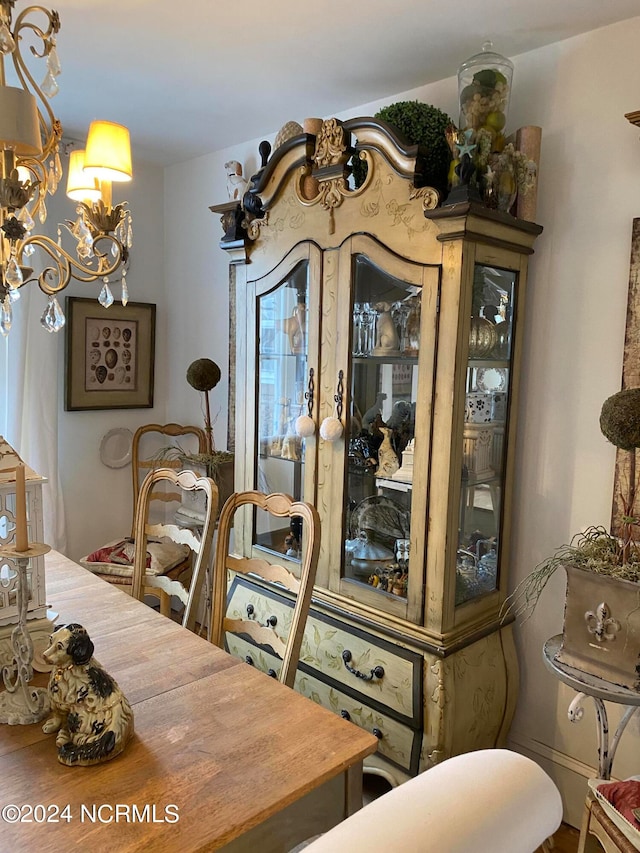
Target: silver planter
{"points": [[601, 633]]}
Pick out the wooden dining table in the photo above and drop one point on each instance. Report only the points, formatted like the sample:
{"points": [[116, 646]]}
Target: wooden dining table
{"points": [[223, 757]]}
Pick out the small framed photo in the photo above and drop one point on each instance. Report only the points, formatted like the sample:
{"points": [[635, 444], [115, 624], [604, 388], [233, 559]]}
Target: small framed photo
{"points": [[109, 355]]}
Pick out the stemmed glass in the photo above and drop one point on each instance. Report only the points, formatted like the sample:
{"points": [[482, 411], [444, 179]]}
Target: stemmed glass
{"points": [[367, 318], [357, 328], [399, 313]]}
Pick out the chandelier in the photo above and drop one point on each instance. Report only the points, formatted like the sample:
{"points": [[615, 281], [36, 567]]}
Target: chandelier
{"points": [[30, 140]]}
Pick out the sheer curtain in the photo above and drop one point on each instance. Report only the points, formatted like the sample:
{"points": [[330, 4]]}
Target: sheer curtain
{"points": [[29, 402]]}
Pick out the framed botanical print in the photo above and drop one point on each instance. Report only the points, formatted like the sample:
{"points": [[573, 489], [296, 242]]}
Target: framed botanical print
{"points": [[109, 355]]}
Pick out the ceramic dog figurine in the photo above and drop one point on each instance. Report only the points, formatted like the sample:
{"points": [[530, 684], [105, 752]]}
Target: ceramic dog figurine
{"points": [[89, 712]]}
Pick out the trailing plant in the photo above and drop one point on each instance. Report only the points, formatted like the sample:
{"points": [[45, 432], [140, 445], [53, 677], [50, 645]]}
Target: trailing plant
{"points": [[418, 124], [211, 461], [596, 549]]}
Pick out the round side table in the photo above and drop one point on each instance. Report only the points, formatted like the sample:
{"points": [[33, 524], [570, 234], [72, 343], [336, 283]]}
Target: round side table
{"points": [[600, 691]]}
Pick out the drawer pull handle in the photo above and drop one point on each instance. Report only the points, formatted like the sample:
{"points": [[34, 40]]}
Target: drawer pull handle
{"points": [[272, 673], [248, 659], [376, 672], [377, 733], [345, 714], [271, 622]]}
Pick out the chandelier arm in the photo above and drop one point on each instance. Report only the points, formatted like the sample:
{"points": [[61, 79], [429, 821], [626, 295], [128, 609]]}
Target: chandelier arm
{"points": [[33, 37], [23, 72], [66, 266]]}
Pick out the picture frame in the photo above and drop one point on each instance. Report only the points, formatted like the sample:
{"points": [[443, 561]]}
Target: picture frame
{"points": [[630, 379], [109, 355]]}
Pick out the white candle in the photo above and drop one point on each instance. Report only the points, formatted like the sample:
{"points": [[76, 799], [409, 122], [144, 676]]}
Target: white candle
{"points": [[22, 540]]}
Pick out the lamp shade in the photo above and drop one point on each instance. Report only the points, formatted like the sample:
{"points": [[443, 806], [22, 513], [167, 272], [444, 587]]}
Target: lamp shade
{"points": [[80, 185], [108, 153], [19, 129]]}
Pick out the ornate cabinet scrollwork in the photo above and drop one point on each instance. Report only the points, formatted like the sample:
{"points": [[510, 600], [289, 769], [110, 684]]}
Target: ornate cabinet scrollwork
{"points": [[419, 310]]}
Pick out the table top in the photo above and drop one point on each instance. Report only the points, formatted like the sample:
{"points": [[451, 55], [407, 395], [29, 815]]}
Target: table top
{"points": [[223, 744], [584, 682]]}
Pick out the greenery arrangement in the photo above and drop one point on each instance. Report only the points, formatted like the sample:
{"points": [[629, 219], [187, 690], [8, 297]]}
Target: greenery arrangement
{"points": [[596, 549], [418, 124], [213, 461]]}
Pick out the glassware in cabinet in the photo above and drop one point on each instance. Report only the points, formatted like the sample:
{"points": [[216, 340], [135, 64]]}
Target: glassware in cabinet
{"points": [[383, 395], [484, 432]]}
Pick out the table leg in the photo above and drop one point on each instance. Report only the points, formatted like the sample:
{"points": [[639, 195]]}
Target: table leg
{"points": [[353, 789]]}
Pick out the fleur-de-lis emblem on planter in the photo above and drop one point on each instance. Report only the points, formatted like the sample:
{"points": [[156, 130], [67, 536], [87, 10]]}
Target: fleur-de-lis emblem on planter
{"points": [[600, 623]]}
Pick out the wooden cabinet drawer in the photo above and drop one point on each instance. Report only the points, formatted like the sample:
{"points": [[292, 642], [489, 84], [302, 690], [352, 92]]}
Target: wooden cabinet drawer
{"points": [[398, 742], [383, 675]]}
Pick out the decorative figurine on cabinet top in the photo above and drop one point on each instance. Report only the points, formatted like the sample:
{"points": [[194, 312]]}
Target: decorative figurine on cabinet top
{"points": [[236, 184], [91, 715]]}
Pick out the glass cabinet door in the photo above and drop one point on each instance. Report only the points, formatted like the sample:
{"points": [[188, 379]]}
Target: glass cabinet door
{"points": [[486, 411], [281, 383], [380, 444]]}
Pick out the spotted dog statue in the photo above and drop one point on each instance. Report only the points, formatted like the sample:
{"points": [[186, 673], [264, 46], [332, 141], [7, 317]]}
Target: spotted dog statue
{"points": [[89, 712]]}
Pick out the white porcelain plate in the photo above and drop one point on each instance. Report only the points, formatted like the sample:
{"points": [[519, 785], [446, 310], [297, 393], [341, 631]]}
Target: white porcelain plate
{"points": [[489, 379], [115, 447]]}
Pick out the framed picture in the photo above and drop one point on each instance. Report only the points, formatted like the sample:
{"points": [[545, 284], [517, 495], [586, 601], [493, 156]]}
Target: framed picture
{"points": [[109, 355], [630, 379]]}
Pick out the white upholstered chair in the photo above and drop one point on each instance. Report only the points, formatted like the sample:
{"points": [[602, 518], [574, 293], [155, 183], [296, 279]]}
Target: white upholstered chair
{"points": [[489, 801]]}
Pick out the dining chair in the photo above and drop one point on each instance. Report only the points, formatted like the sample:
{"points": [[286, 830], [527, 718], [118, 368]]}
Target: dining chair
{"points": [[488, 800], [287, 648], [601, 821], [153, 446], [197, 541]]}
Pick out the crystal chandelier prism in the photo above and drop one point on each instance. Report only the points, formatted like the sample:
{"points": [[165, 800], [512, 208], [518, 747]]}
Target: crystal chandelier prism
{"points": [[31, 170]]}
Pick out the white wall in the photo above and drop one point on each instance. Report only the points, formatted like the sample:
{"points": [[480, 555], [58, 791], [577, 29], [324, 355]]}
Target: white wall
{"points": [[578, 91], [98, 498]]}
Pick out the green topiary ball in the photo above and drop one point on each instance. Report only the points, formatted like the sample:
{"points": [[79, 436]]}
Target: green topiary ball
{"points": [[419, 124], [620, 419], [203, 374]]}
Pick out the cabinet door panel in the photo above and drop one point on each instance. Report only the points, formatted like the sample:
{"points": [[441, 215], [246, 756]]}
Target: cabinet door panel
{"points": [[279, 308], [385, 347], [485, 431]]}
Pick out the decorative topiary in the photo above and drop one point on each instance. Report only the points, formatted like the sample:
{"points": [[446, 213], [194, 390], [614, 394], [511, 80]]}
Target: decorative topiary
{"points": [[620, 419], [203, 375], [418, 124]]}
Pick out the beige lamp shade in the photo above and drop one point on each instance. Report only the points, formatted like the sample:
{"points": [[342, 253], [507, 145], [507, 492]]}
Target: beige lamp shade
{"points": [[80, 186], [19, 128], [108, 153]]}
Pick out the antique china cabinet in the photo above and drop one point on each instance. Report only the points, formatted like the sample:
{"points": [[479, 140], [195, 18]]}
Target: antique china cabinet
{"points": [[393, 328]]}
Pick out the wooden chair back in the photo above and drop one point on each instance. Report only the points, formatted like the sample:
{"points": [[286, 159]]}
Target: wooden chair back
{"points": [[158, 446], [281, 506], [199, 540]]}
